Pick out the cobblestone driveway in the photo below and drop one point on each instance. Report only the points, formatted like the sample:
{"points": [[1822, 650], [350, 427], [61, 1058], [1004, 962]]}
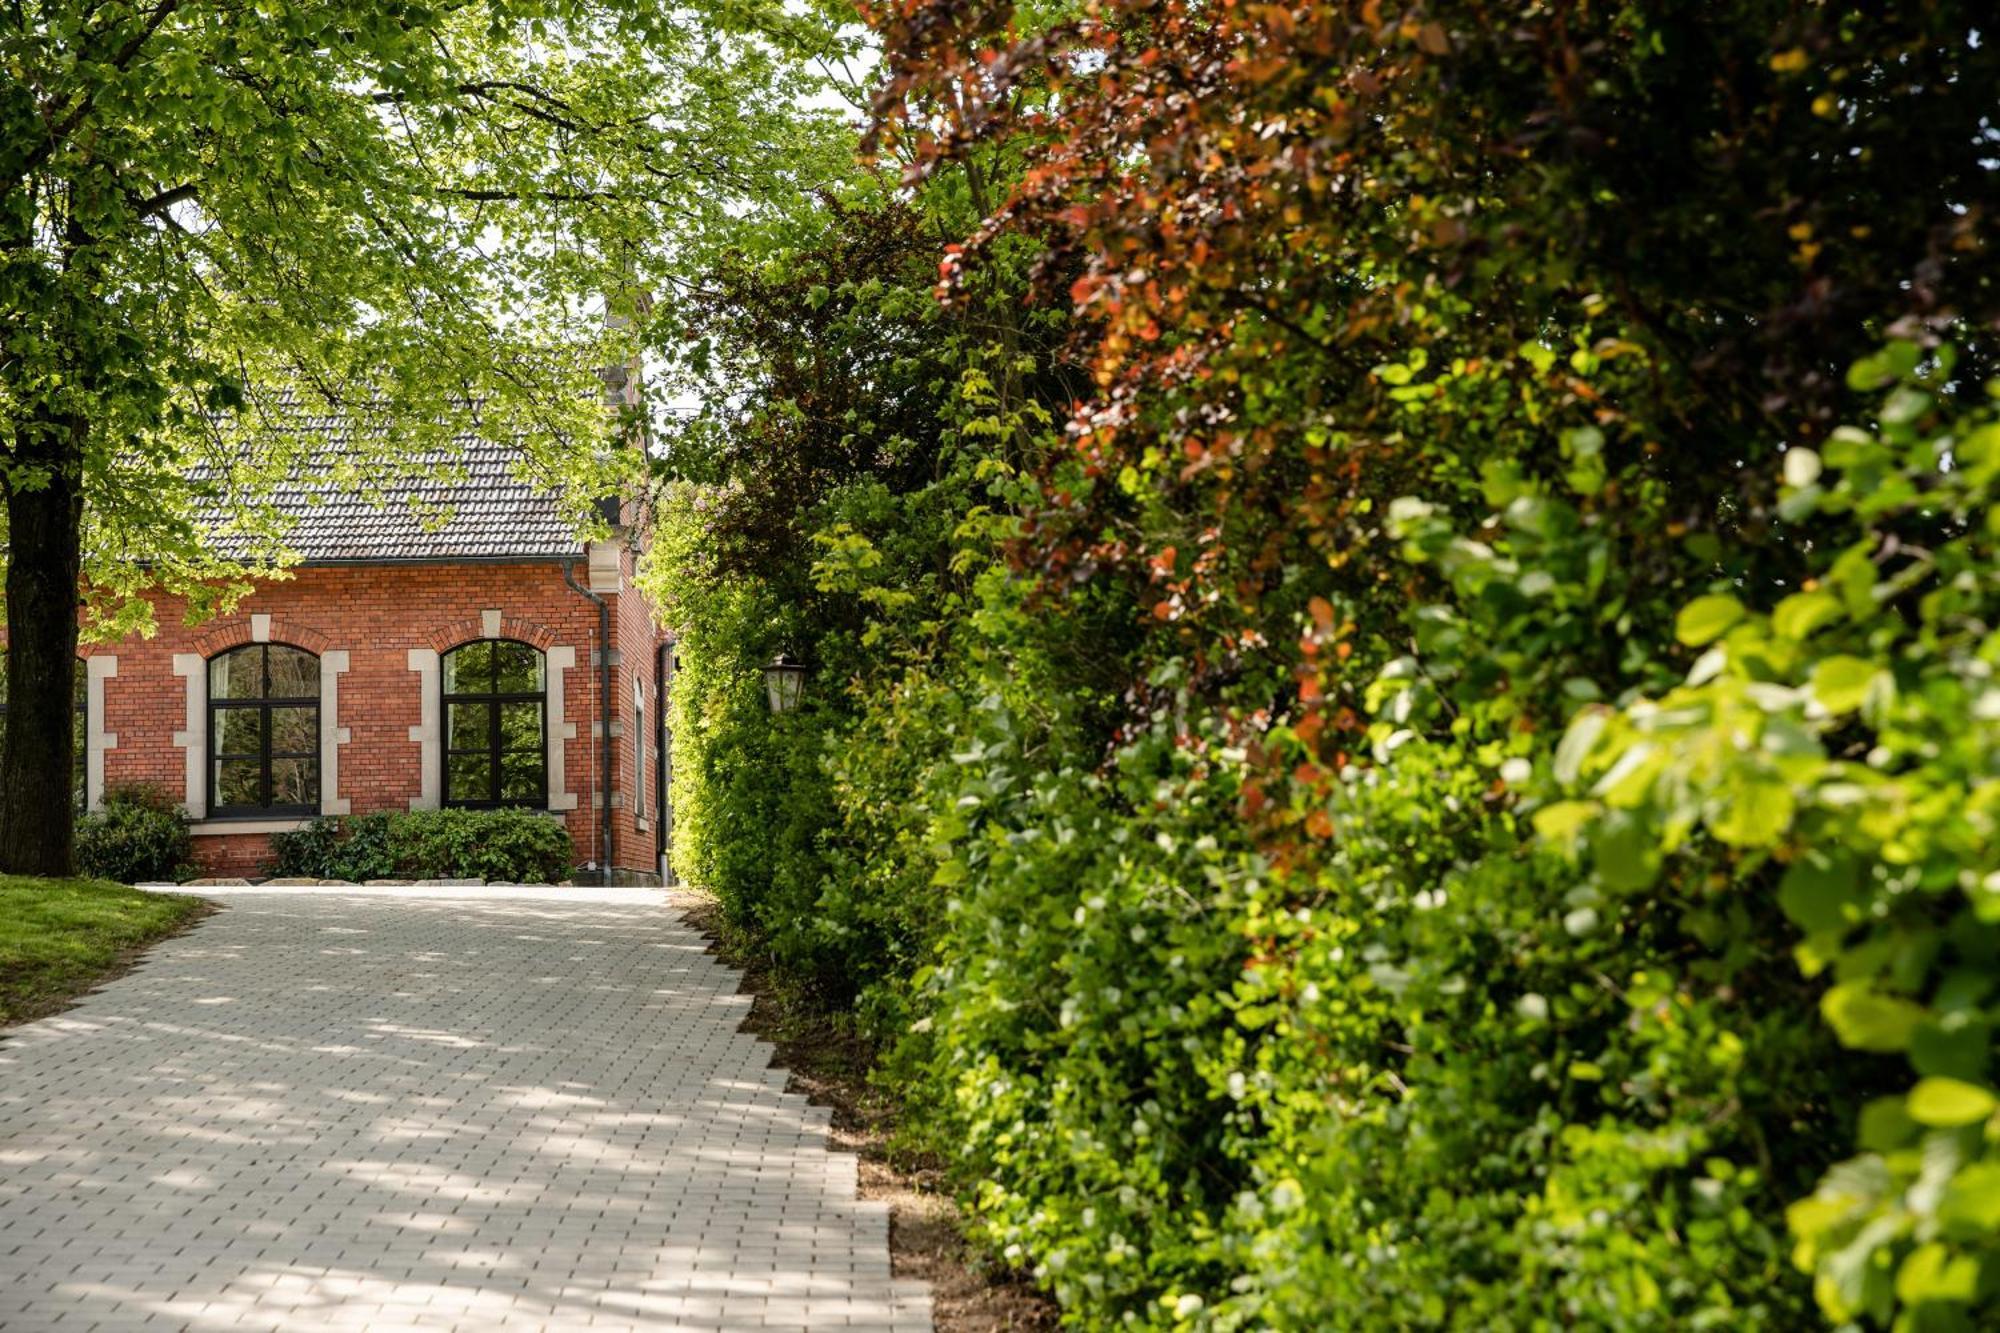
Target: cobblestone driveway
{"points": [[476, 1109]]}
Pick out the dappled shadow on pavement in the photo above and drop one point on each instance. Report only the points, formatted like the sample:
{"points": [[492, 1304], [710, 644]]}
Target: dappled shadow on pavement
{"points": [[487, 1109]]}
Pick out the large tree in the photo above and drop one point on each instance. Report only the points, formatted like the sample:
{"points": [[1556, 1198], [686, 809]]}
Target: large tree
{"points": [[404, 213]]}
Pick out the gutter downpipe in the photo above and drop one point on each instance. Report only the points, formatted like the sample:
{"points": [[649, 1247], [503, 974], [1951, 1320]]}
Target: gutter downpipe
{"points": [[603, 707]]}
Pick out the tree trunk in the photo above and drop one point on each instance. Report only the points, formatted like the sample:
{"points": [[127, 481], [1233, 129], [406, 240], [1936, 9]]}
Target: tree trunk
{"points": [[44, 559]]}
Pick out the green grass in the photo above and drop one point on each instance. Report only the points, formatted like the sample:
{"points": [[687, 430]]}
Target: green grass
{"points": [[60, 937]]}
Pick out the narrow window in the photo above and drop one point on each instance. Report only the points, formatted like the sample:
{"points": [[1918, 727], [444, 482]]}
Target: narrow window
{"points": [[263, 731], [638, 756], [495, 725]]}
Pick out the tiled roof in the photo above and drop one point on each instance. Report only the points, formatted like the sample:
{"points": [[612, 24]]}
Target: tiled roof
{"points": [[465, 500]]}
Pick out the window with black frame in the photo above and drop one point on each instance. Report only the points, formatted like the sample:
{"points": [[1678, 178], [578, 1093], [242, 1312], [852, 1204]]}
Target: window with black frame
{"points": [[79, 726], [638, 756], [263, 731], [495, 725]]}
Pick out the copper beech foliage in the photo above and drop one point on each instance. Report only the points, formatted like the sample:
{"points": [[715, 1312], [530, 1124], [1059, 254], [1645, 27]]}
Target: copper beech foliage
{"points": [[1316, 239]]}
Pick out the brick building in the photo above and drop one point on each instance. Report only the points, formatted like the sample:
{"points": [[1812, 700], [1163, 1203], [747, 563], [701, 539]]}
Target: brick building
{"points": [[448, 642]]}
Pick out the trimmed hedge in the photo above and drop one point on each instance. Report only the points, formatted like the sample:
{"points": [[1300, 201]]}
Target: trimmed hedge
{"points": [[507, 846], [141, 835]]}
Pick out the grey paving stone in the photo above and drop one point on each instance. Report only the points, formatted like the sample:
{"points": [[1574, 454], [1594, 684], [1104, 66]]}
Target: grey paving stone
{"points": [[438, 1107]]}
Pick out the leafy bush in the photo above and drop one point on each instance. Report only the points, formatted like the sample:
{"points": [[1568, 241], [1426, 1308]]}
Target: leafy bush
{"points": [[507, 845], [141, 835], [1831, 754], [367, 849], [511, 845], [311, 850], [1407, 774]]}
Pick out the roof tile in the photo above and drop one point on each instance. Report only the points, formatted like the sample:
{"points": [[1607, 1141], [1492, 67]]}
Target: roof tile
{"points": [[464, 501]]}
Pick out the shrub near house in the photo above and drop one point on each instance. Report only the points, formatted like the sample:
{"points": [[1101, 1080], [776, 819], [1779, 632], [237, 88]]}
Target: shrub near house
{"points": [[139, 836], [502, 846]]}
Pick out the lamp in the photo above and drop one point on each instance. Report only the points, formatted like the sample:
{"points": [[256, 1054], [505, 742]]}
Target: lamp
{"points": [[784, 679]]}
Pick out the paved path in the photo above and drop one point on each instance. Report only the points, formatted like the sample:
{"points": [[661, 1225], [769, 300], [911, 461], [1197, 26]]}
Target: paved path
{"points": [[475, 1109]]}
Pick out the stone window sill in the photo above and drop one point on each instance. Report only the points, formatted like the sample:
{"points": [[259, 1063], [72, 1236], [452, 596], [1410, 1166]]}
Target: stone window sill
{"points": [[208, 828]]}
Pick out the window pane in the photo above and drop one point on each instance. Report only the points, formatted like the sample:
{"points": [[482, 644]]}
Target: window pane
{"points": [[295, 782], [239, 731], [237, 675], [468, 669], [294, 674], [520, 726], [295, 731], [468, 777], [519, 667], [468, 727], [521, 777], [238, 782]]}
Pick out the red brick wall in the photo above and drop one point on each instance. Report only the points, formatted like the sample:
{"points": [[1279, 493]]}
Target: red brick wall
{"points": [[377, 614]]}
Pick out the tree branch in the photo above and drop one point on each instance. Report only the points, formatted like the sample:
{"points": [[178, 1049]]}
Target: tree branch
{"points": [[166, 199]]}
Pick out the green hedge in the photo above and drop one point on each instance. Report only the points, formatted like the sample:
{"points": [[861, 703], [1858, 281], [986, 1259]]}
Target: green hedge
{"points": [[139, 836], [507, 846], [1426, 781]]}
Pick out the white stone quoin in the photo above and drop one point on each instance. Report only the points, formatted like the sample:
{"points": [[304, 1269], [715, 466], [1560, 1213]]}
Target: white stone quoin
{"points": [[331, 734], [560, 659], [96, 740], [194, 740], [429, 733]]}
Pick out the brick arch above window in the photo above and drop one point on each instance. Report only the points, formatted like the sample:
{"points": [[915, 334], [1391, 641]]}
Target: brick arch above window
{"points": [[258, 628], [447, 637]]}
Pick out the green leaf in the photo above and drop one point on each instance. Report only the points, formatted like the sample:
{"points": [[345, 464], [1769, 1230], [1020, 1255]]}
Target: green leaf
{"points": [[1946, 1103], [1867, 1020], [1561, 821], [1931, 1273], [1754, 811], [1885, 367], [1623, 853], [1904, 405], [1973, 1199], [1853, 578], [1841, 683], [1800, 614], [1885, 1125], [1538, 356], [1819, 889], [1576, 744], [1707, 618], [1952, 1045]]}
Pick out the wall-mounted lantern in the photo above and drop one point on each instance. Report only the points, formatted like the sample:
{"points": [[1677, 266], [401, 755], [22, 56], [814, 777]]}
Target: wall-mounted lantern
{"points": [[784, 680]]}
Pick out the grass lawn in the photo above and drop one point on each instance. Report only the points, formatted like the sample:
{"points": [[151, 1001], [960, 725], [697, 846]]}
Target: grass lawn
{"points": [[60, 937]]}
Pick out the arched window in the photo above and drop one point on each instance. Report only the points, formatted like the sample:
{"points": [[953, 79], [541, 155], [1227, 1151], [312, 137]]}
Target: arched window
{"points": [[263, 731], [495, 750], [79, 725]]}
